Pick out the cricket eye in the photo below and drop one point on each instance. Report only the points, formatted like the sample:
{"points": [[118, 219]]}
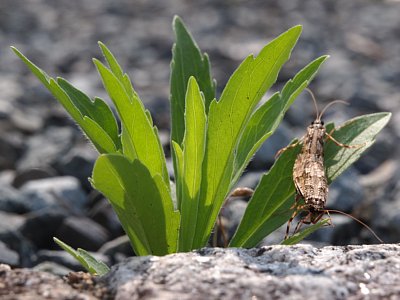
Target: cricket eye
{"points": [[322, 122], [312, 122]]}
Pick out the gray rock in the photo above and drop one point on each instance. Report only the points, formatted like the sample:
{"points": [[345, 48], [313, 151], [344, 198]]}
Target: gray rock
{"points": [[27, 120], [10, 225], [65, 192], [52, 267], [48, 148], [40, 226], [103, 214], [83, 233], [7, 177], [10, 235], [79, 163], [10, 151], [250, 179], [346, 193], [232, 213], [117, 248], [59, 257], [275, 272], [11, 200], [28, 284], [265, 156], [8, 256], [23, 176]]}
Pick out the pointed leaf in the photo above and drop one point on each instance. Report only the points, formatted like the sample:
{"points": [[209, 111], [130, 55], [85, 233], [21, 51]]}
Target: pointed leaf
{"points": [[268, 116], [227, 119], [187, 61], [193, 153], [95, 266], [139, 129], [274, 194], [142, 202], [91, 264], [357, 131], [97, 110], [117, 71], [103, 138]]}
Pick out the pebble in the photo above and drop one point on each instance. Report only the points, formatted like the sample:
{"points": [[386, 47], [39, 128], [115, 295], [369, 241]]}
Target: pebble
{"points": [[346, 192], [40, 226], [117, 248], [79, 163], [8, 256], [103, 214], [23, 176], [48, 148], [52, 267], [12, 200], [64, 192]]}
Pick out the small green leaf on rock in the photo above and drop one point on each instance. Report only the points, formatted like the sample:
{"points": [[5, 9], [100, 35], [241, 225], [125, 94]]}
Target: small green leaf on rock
{"points": [[91, 264]]}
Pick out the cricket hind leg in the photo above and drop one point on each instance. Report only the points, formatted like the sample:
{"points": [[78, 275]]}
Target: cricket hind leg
{"points": [[301, 222], [295, 213], [297, 209], [309, 219]]}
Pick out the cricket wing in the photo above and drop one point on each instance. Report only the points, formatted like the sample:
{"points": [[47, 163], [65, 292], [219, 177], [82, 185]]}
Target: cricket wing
{"points": [[315, 183], [298, 175]]}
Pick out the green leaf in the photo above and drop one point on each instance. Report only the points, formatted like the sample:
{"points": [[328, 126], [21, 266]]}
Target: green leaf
{"points": [[97, 110], [142, 202], [298, 237], [267, 117], [193, 153], [357, 131], [227, 120], [143, 142], [178, 154], [187, 61], [91, 264], [98, 125], [269, 207], [116, 69]]}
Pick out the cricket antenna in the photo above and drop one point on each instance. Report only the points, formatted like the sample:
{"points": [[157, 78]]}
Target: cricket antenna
{"points": [[315, 101], [357, 220], [330, 104]]}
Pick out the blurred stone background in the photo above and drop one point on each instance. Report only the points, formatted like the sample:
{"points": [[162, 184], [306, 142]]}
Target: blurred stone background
{"points": [[45, 161]]}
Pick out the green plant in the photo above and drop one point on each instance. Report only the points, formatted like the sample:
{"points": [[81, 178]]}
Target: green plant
{"points": [[212, 141]]}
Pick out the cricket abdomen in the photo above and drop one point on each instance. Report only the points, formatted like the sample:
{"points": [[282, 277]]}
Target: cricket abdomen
{"points": [[310, 180]]}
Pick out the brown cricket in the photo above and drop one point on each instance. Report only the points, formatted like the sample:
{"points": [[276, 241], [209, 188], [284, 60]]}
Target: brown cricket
{"points": [[309, 175]]}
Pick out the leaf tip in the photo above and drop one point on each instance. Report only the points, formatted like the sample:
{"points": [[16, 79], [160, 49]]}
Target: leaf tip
{"points": [[192, 80], [177, 21], [97, 63], [17, 52], [296, 29]]}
